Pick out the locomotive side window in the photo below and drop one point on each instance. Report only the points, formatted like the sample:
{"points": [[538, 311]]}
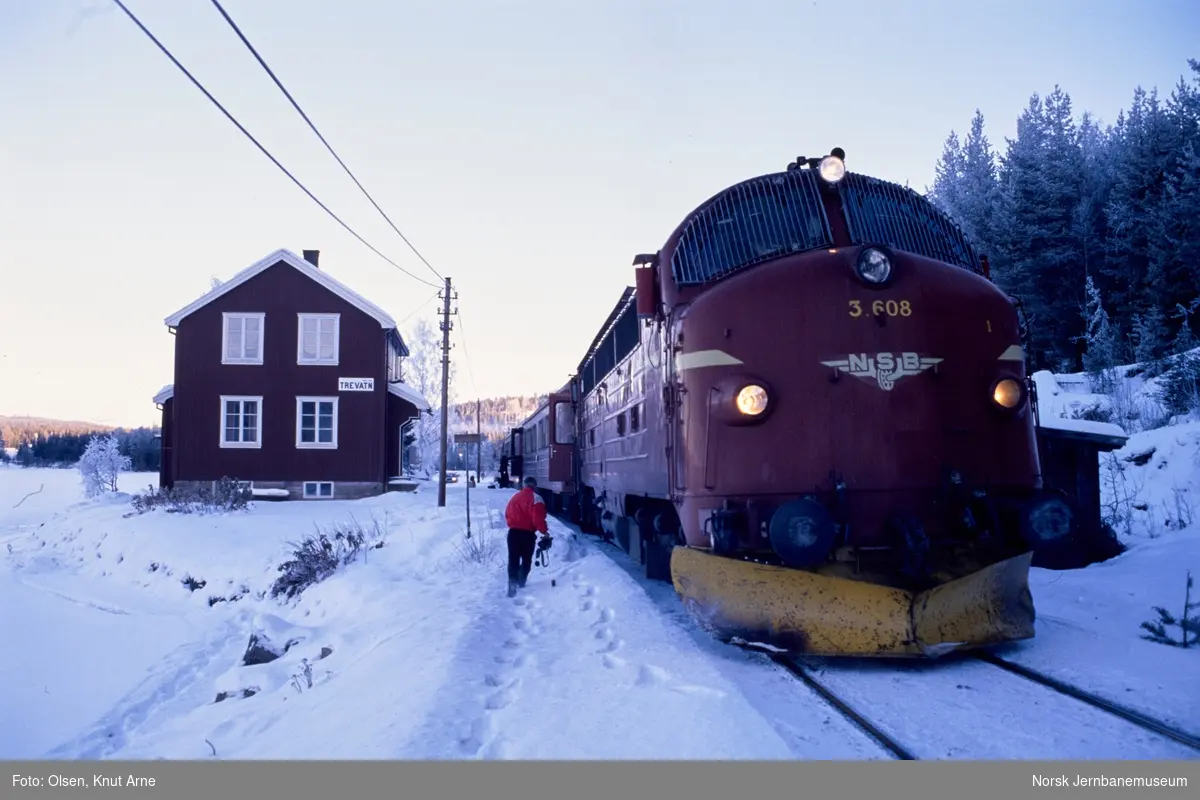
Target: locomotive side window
{"points": [[564, 424]]}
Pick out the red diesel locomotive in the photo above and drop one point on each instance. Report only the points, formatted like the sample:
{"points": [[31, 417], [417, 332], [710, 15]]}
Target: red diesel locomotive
{"points": [[811, 413]]}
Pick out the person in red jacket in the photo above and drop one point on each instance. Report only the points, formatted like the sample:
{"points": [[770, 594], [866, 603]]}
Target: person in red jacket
{"points": [[526, 517]]}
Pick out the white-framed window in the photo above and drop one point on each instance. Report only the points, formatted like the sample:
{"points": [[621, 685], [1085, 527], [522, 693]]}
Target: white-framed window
{"points": [[318, 489], [241, 421], [242, 337], [317, 339], [317, 422]]}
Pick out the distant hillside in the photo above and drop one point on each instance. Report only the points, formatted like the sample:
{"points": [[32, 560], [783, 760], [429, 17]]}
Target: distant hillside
{"points": [[499, 414], [15, 431]]}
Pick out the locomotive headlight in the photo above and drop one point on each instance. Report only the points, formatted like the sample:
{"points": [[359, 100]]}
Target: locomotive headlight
{"points": [[832, 169], [874, 266], [752, 400], [1007, 393]]}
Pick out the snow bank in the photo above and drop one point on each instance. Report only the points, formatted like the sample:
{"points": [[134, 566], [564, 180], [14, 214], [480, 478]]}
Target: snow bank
{"points": [[414, 652], [1089, 620]]}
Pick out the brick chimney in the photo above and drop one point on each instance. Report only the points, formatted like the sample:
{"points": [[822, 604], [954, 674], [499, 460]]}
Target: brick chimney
{"points": [[312, 256]]}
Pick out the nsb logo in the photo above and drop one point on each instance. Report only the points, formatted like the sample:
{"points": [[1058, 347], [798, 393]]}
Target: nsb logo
{"points": [[883, 368]]}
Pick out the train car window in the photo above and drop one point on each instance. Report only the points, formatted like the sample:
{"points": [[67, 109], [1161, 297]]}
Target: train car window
{"points": [[880, 212], [626, 334], [564, 424], [752, 222]]}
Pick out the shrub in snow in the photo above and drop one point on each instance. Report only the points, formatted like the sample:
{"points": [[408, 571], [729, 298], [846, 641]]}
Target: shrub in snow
{"points": [[319, 556], [101, 465], [228, 495], [482, 548], [1179, 387], [1188, 624]]}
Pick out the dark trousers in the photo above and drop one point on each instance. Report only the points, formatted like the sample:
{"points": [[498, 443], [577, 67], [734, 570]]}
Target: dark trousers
{"points": [[520, 555]]}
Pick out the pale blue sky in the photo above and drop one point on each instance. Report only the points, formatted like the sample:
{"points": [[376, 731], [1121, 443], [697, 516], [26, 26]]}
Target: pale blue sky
{"points": [[528, 149]]}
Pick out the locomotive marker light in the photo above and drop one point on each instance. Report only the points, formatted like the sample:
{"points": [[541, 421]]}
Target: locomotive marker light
{"points": [[874, 266], [1047, 521], [752, 400], [802, 532]]}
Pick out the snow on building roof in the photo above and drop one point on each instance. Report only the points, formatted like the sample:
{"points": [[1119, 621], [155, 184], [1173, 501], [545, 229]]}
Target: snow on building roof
{"points": [[164, 394], [406, 392], [1108, 429], [296, 262]]}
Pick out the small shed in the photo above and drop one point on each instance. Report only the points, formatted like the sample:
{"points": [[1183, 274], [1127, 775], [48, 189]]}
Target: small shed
{"points": [[1069, 450]]}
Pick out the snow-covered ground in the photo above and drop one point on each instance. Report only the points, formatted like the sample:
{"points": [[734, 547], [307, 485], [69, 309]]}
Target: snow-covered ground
{"points": [[113, 648]]}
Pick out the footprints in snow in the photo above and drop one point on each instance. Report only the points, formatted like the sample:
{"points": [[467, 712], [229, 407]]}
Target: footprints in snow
{"points": [[482, 738], [588, 593], [648, 674]]}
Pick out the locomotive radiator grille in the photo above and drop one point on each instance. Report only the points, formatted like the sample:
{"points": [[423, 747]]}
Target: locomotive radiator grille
{"points": [[756, 221], [878, 212]]}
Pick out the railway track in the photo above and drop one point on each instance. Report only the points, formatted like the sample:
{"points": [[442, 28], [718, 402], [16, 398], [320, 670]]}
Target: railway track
{"points": [[899, 751], [861, 717], [1141, 720]]}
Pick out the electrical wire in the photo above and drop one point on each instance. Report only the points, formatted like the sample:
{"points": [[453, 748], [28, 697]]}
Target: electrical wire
{"points": [[264, 150], [413, 313], [262, 62], [462, 337]]}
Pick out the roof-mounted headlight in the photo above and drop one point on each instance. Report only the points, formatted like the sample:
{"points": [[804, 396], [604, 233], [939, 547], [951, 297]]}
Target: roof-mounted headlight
{"points": [[832, 169]]}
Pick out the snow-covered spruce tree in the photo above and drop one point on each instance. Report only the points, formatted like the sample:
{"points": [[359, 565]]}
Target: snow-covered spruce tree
{"points": [[1149, 330], [1100, 338], [1185, 340], [101, 465], [1188, 624]]}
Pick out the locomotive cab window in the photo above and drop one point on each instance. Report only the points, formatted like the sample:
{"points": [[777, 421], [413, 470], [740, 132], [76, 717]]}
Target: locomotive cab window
{"points": [[564, 424]]}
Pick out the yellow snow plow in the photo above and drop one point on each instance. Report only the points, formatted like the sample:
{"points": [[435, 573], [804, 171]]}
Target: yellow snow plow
{"points": [[813, 614]]}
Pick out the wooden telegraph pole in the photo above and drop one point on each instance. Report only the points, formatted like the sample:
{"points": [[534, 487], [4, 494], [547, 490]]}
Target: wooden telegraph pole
{"points": [[479, 442], [445, 325]]}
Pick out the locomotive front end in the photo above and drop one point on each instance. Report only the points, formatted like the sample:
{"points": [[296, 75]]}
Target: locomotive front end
{"points": [[857, 466]]}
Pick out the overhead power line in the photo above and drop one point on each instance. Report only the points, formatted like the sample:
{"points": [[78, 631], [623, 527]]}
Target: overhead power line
{"points": [[262, 62], [462, 338], [413, 313], [257, 144]]}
